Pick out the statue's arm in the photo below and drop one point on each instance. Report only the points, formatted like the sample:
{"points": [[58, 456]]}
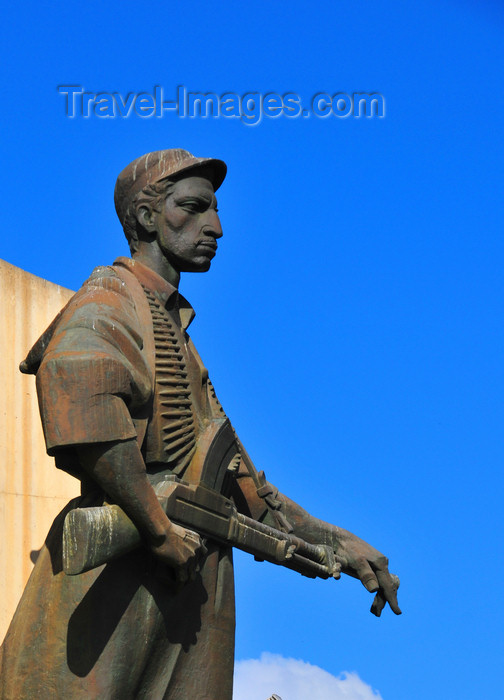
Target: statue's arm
{"points": [[261, 500], [358, 558], [119, 469]]}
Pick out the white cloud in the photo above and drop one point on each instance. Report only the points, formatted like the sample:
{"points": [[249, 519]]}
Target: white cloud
{"points": [[293, 679]]}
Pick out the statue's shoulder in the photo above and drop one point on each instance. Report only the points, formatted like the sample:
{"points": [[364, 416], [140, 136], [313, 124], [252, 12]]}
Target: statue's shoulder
{"points": [[104, 292], [107, 278]]}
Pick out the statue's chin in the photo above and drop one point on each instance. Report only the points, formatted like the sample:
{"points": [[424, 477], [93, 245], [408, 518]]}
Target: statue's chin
{"points": [[201, 267]]}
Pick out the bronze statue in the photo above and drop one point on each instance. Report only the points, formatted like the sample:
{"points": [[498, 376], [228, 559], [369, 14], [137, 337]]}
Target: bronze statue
{"points": [[126, 601]]}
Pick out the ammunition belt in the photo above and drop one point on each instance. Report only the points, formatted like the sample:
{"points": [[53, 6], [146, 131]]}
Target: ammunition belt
{"points": [[172, 392]]}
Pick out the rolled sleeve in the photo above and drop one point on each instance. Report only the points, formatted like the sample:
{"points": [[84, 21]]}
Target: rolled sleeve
{"points": [[83, 400], [93, 379]]}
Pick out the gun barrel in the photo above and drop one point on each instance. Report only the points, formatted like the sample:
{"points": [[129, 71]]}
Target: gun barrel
{"points": [[311, 551]]}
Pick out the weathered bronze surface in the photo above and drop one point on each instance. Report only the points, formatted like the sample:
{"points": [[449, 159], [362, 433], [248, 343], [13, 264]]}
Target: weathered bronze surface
{"points": [[132, 595]]}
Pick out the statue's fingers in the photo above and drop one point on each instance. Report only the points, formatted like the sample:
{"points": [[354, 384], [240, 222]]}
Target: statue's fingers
{"points": [[193, 571], [182, 575], [192, 538], [388, 590], [367, 576], [197, 543], [379, 603]]}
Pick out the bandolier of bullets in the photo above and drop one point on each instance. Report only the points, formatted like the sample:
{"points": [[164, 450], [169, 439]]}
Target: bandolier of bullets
{"points": [[172, 390]]}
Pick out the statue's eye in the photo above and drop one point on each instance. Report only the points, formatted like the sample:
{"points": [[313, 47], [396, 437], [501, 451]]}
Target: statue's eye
{"points": [[194, 205], [190, 205]]}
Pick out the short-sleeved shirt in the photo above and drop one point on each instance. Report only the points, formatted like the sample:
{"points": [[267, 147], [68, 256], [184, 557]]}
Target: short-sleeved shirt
{"points": [[99, 380]]}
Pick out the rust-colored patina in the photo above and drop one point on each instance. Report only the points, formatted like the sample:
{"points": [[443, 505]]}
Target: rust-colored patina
{"points": [[125, 602]]}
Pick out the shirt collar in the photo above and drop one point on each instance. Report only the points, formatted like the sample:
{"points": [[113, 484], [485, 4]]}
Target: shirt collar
{"points": [[166, 293]]}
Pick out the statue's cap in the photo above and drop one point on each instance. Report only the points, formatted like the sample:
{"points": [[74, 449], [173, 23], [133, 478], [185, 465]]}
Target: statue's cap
{"points": [[162, 165]]}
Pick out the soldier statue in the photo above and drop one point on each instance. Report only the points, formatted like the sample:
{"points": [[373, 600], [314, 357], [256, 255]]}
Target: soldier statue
{"points": [[132, 595]]}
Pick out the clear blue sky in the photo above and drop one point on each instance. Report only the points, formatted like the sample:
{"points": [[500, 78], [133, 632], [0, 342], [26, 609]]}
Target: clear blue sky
{"points": [[352, 320]]}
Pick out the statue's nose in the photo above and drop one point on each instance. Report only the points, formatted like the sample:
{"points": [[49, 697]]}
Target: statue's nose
{"points": [[213, 226]]}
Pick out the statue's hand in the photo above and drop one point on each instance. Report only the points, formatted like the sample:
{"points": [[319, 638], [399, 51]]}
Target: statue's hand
{"points": [[182, 551], [360, 560]]}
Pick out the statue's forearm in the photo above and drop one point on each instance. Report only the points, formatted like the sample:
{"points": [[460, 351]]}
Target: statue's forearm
{"points": [[119, 469], [348, 548], [306, 526], [260, 499], [264, 502]]}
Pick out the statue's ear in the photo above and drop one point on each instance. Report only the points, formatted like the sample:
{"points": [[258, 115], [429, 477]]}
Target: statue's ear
{"points": [[146, 218]]}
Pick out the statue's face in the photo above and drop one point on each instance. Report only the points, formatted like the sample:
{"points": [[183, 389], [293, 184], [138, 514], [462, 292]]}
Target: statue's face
{"points": [[188, 225]]}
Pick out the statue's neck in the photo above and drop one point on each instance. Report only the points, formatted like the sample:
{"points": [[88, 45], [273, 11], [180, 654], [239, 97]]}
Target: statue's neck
{"points": [[149, 254]]}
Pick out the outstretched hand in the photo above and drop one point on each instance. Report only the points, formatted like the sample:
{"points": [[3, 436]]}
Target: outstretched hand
{"points": [[360, 560]]}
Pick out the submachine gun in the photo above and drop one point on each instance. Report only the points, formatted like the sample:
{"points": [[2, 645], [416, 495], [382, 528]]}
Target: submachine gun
{"points": [[95, 536]]}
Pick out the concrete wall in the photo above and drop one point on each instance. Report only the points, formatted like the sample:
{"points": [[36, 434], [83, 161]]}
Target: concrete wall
{"points": [[32, 490]]}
